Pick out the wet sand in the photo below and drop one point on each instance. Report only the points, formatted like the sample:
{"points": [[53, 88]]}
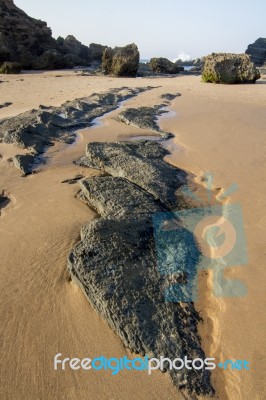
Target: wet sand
{"points": [[221, 129]]}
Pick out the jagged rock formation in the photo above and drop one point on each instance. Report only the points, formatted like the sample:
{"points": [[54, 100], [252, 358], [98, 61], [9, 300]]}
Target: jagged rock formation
{"points": [[229, 68], [121, 61], [37, 129], [140, 162], [145, 118], [164, 66], [115, 263], [29, 42], [257, 52]]}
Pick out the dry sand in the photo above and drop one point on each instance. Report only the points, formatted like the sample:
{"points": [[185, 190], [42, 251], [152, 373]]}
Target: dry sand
{"points": [[221, 129]]}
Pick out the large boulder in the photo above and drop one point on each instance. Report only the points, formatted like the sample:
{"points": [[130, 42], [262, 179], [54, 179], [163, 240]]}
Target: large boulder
{"points": [[229, 68], [121, 61], [257, 51], [164, 66]]}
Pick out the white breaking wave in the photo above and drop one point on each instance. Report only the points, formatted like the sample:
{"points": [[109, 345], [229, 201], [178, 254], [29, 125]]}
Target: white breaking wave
{"points": [[182, 56]]}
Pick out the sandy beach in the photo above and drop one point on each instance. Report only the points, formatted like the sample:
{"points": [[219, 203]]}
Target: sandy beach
{"points": [[218, 129]]}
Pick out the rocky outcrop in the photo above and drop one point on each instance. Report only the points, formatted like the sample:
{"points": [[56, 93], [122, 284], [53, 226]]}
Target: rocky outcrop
{"points": [[29, 42], [28, 37], [116, 261], [229, 69], [140, 162], [164, 66], [35, 130], [145, 118], [257, 52], [121, 61]]}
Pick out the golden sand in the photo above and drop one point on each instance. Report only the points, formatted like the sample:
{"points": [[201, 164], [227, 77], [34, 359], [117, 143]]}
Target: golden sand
{"points": [[221, 129]]}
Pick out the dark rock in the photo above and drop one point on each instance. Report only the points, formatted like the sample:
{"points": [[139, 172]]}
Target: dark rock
{"points": [[25, 163], [121, 61], [144, 69], [145, 118], [73, 181], [115, 263], [170, 96], [229, 69], [182, 63], [127, 197], [29, 42], [4, 200], [72, 46], [195, 69], [164, 66], [257, 51], [50, 59], [27, 39], [6, 104], [37, 129], [140, 162], [10, 68], [95, 53]]}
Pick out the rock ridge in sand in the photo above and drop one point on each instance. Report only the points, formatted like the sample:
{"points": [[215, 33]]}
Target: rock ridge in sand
{"points": [[37, 129], [115, 263]]}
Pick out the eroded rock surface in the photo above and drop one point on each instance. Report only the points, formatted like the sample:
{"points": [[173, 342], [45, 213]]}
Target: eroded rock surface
{"points": [[229, 69], [140, 162], [29, 42], [164, 66], [37, 129], [145, 118], [115, 262], [121, 61]]}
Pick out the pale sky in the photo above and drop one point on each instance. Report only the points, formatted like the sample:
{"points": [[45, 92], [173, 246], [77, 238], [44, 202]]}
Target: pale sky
{"points": [[164, 28]]}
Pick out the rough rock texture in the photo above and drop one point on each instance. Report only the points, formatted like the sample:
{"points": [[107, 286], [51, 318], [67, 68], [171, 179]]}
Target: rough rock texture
{"points": [[229, 68], [37, 129], [25, 163], [10, 68], [257, 52], [141, 162], [164, 66], [115, 262], [28, 37], [121, 61], [29, 41], [144, 117]]}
